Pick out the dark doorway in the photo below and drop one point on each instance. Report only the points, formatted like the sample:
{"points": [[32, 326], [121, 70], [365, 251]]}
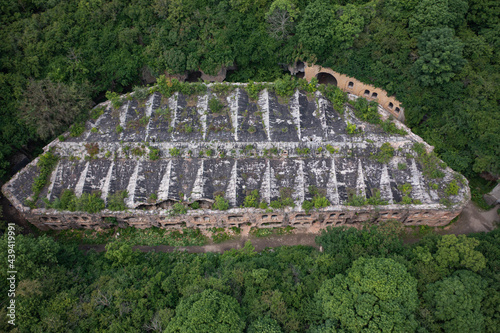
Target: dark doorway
{"points": [[194, 76], [325, 78], [300, 75]]}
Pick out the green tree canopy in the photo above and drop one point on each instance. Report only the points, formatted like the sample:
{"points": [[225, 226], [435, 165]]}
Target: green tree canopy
{"points": [[376, 295], [455, 302], [264, 325], [440, 57], [49, 107], [431, 14], [207, 312]]}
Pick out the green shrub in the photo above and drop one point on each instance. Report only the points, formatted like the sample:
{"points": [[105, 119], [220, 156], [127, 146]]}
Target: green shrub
{"points": [[385, 154], [376, 200], [220, 203], [195, 205], [285, 86], [253, 89], [331, 149], [263, 205], [318, 201], [356, 200], [97, 112], [405, 188], [252, 200], [336, 96], [351, 128], [252, 129], [76, 130], [389, 127], [367, 111], [264, 232], [154, 154], [46, 163], [91, 203], [215, 105], [452, 188], [282, 203], [116, 201], [209, 152], [429, 161], [174, 152], [177, 209], [302, 151], [219, 235], [118, 129], [115, 98], [401, 166], [141, 93]]}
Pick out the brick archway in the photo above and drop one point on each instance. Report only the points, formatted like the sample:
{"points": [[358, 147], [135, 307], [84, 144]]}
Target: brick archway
{"points": [[326, 78]]}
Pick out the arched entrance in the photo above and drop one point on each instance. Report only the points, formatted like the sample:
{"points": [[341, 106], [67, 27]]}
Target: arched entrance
{"points": [[194, 76], [325, 78]]}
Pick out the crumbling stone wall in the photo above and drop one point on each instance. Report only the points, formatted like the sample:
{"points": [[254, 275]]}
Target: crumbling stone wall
{"points": [[411, 215]]}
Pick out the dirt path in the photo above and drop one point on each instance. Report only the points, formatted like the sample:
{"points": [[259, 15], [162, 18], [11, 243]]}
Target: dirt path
{"points": [[259, 244], [472, 220]]}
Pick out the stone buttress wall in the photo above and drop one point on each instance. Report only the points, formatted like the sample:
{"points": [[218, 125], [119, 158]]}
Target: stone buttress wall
{"points": [[408, 215]]}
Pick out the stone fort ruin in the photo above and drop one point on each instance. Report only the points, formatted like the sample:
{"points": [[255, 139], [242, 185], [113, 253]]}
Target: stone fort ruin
{"points": [[191, 148]]}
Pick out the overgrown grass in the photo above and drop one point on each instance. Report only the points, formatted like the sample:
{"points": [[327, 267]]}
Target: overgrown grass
{"points": [[149, 237]]}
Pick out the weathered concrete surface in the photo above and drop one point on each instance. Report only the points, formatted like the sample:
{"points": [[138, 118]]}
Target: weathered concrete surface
{"points": [[277, 146]]}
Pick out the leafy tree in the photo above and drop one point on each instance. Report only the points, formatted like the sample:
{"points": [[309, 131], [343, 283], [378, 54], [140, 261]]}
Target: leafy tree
{"points": [[455, 302], [376, 294], [264, 325], [208, 311], [120, 254], [50, 107], [431, 14], [440, 57], [439, 257], [315, 29]]}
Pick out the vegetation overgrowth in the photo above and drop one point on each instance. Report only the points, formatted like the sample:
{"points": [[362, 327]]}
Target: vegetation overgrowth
{"points": [[440, 283]]}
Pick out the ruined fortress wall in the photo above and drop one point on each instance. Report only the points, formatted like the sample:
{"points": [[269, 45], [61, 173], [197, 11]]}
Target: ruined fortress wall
{"points": [[409, 216], [358, 88]]}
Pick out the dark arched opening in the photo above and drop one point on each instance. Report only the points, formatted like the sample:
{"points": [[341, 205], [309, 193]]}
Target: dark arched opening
{"points": [[325, 78], [194, 76], [300, 75]]}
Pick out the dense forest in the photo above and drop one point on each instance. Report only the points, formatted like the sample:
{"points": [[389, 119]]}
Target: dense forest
{"points": [[363, 281], [440, 58]]}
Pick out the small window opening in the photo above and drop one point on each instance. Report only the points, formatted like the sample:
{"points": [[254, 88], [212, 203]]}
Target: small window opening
{"points": [[391, 105], [374, 95], [351, 84], [367, 92], [397, 109]]}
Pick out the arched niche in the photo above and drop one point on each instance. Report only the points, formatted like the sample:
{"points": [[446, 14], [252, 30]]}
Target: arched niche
{"points": [[326, 78]]}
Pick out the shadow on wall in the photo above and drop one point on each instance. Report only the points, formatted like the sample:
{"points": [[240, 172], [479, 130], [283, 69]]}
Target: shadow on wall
{"points": [[349, 85]]}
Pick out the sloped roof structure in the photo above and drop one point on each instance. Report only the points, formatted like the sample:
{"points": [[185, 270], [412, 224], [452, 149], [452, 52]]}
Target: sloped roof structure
{"points": [[163, 150]]}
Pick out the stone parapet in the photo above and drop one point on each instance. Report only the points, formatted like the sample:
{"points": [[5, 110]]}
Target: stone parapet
{"points": [[410, 215]]}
